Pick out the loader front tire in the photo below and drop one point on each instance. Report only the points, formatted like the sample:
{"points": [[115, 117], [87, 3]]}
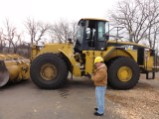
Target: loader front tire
{"points": [[48, 71], [123, 73]]}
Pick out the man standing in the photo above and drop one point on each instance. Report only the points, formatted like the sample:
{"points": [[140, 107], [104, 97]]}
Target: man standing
{"points": [[100, 81]]}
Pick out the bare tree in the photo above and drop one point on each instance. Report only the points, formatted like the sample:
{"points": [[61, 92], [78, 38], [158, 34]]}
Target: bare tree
{"points": [[62, 31], [153, 19], [36, 30], [32, 29], [9, 33], [137, 16], [73, 31], [10, 36], [18, 41], [2, 41]]}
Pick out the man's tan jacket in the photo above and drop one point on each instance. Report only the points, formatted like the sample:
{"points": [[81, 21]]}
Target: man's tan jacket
{"points": [[100, 75]]}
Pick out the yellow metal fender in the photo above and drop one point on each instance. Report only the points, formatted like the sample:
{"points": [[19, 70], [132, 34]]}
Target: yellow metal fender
{"points": [[65, 49], [75, 65]]}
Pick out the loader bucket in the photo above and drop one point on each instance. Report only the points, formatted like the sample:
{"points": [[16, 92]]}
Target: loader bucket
{"points": [[4, 74], [13, 68]]}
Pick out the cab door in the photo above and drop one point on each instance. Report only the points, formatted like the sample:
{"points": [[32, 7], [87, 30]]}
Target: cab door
{"points": [[96, 35], [102, 35]]}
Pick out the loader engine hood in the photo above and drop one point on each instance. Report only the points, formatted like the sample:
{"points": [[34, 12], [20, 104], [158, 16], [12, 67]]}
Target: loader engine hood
{"points": [[126, 45]]}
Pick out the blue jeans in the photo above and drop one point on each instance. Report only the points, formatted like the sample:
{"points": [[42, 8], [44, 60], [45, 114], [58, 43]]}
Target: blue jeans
{"points": [[100, 98]]}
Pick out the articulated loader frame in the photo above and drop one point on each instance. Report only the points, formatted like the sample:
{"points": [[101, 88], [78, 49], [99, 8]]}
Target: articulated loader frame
{"points": [[122, 66]]}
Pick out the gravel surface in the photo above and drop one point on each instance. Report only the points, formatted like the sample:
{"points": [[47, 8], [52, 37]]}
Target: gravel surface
{"points": [[142, 102]]}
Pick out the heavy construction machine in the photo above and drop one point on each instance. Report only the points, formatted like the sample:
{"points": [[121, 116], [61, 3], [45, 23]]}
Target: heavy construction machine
{"points": [[51, 63], [13, 68]]}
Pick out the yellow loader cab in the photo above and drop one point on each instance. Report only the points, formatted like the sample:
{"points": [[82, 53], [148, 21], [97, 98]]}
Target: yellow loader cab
{"points": [[51, 63]]}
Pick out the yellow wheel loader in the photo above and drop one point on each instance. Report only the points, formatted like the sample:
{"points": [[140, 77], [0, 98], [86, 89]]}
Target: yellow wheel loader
{"points": [[13, 68], [51, 63]]}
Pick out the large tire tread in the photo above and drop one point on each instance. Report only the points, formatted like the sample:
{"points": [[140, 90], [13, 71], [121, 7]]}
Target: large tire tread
{"points": [[113, 80], [58, 62]]}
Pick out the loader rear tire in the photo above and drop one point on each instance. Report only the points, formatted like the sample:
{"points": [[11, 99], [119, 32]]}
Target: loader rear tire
{"points": [[123, 73], [48, 71]]}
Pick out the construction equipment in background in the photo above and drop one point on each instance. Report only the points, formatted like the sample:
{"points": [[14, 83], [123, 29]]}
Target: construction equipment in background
{"points": [[51, 63], [13, 68]]}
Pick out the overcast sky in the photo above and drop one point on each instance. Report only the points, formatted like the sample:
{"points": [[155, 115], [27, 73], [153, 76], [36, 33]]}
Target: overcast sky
{"points": [[52, 10]]}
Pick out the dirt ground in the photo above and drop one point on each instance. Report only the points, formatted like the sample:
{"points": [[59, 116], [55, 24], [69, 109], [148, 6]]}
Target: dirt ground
{"points": [[142, 102], [76, 101]]}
